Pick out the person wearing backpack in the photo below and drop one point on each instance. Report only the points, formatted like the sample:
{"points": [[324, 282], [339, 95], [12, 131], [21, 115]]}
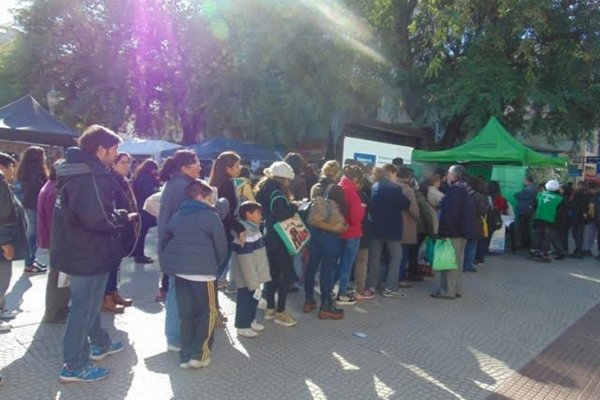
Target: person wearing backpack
{"points": [[526, 201], [324, 247]]}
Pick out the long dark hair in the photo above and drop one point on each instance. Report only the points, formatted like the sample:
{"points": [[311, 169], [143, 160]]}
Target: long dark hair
{"points": [[146, 167], [296, 161], [33, 164], [218, 174], [494, 188], [174, 163]]}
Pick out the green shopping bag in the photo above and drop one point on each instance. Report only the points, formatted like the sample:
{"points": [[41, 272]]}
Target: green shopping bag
{"points": [[444, 258]]}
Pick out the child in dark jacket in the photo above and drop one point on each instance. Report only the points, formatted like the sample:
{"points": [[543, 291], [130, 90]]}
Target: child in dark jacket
{"points": [[250, 269], [193, 247]]}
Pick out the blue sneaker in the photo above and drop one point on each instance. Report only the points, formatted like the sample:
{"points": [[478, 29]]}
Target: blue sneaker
{"points": [[98, 353], [89, 373]]}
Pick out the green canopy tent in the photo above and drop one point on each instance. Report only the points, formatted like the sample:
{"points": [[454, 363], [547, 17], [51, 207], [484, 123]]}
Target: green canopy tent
{"points": [[492, 145]]}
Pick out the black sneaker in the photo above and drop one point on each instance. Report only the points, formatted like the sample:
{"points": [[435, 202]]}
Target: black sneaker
{"points": [[143, 260]]}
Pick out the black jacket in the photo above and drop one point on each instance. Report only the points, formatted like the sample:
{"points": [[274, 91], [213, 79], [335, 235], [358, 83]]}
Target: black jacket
{"points": [[13, 225], [526, 200], [31, 189], [388, 204], [86, 227], [145, 185], [458, 213]]}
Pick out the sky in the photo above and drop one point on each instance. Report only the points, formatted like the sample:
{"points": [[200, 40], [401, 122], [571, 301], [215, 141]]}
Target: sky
{"points": [[5, 5]]}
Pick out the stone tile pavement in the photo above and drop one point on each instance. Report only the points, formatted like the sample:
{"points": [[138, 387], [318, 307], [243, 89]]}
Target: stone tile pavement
{"points": [[415, 348]]}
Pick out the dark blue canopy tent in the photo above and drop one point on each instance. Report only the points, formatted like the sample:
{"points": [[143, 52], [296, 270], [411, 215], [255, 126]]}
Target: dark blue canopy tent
{"points": [[209, 150]]}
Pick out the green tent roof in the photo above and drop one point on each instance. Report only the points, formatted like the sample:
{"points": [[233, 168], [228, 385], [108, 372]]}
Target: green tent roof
{"points": [[494, 145]]}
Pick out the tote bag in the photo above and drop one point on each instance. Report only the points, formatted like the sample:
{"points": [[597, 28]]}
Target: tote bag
{"points": [[444, 258], [293, 232]]}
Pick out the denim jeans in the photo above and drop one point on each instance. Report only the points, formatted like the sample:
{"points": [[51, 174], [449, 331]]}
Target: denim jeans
{"points": [[470, 252], [223, 269], [172, 323], [324, 253], [245, 308], [404, 262], [375, 251], [31, 216], [577, 232], [349, 251], [111, 283], [83, 323]]}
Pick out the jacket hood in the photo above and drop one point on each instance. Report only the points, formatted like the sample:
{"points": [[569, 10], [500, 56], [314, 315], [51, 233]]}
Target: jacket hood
{"points": [[78, 162], [250, 226], [192, 206]]}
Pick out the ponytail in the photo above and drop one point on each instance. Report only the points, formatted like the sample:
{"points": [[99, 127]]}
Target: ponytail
{"points": [[174, 163]]}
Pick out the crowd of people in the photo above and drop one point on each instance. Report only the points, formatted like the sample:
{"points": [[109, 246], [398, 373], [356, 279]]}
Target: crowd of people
{"points": [[91, 210]]}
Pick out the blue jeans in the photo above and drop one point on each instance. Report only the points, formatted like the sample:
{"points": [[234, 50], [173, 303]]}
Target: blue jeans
{"points": [[404, 262], [172, 324], [111, 283], [324, 253], [224, 267], [31, 216], [470, 252], [349, 250], [83, 323]]}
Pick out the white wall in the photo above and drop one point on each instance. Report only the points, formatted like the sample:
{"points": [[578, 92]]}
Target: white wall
{"points": [[371, 152]]}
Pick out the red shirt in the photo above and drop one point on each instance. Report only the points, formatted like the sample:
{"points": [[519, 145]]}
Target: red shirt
{"points": [[356, 212]]}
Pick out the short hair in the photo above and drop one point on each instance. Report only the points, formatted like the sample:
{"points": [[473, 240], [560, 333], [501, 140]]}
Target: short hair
{"points": [[331, 169], [458, 170], [6, 160], [529, 179], [390, 169], [352, 171], [404, 172], [96, 136], [248, 207], [198, 188], [398, 161]]}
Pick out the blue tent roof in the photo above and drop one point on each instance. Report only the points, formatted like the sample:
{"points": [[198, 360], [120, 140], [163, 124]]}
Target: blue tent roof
{"points": [[212, 148], [157, 149]]}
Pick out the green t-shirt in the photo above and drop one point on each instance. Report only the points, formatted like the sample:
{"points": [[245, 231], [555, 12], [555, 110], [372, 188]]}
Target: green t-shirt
{"points": [[547, 205]]}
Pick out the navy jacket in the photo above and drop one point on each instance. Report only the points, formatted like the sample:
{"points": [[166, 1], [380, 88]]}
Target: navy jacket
{"points": [[388, 204], [459, 213], [194, 241], [86, 227], [526, 200]]}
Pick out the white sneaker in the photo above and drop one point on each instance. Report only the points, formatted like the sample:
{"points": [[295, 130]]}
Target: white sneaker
{"points": [[5, 326], [256, 327], [173, 348], [8, 314], [184, 365], [247, 332], [199, 364]]}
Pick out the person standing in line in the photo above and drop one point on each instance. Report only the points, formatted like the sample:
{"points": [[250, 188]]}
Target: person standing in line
{"points": [[350, 240], [545, 219], [57, 298], [526, 201], [482, 210], [13, 233], [324, 248], [86, 245], [177, 172], [32, 175], [273, 192], [125, 200], [388, 204], [409, 223], [361, 272], [145, 184], [579, 208], [457, 223], [427, 226], [192, 247]]}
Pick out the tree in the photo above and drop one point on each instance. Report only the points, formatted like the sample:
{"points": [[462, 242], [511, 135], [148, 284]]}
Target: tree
{"points": [[533, 63]]}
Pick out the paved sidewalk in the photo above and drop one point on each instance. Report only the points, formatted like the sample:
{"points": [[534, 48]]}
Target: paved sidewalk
{"points": [[416, 348]]}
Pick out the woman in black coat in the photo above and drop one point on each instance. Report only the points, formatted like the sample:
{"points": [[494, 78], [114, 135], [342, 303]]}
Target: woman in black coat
{"points": [[145, 184]]}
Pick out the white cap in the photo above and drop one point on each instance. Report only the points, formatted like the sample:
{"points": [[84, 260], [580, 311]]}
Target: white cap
{"points": [[552, 185], [279, 169]]}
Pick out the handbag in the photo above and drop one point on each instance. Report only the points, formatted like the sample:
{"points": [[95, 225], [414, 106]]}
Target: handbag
{"points": [[325, 214], [292, 231], [444, 257]]}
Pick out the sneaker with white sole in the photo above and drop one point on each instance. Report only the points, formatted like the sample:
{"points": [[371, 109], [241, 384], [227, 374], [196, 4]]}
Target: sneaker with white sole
{"points": [[247, 332], [256, 327], [345, 300], [262, 304], [8, 314], [284, 319], [98, 353], [184, 365], [5, 326], [270, 314], [89, 373], [394, 294], [173, 348], [199, 363]]}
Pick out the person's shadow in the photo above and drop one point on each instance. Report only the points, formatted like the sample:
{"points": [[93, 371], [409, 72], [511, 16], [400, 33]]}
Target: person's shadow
{"points": [[14, 298], [34, 374]]}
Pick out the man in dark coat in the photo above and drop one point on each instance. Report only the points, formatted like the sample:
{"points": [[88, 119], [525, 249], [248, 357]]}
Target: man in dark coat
{"points": [[457, 223], [526, 201], [85, 244]]}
